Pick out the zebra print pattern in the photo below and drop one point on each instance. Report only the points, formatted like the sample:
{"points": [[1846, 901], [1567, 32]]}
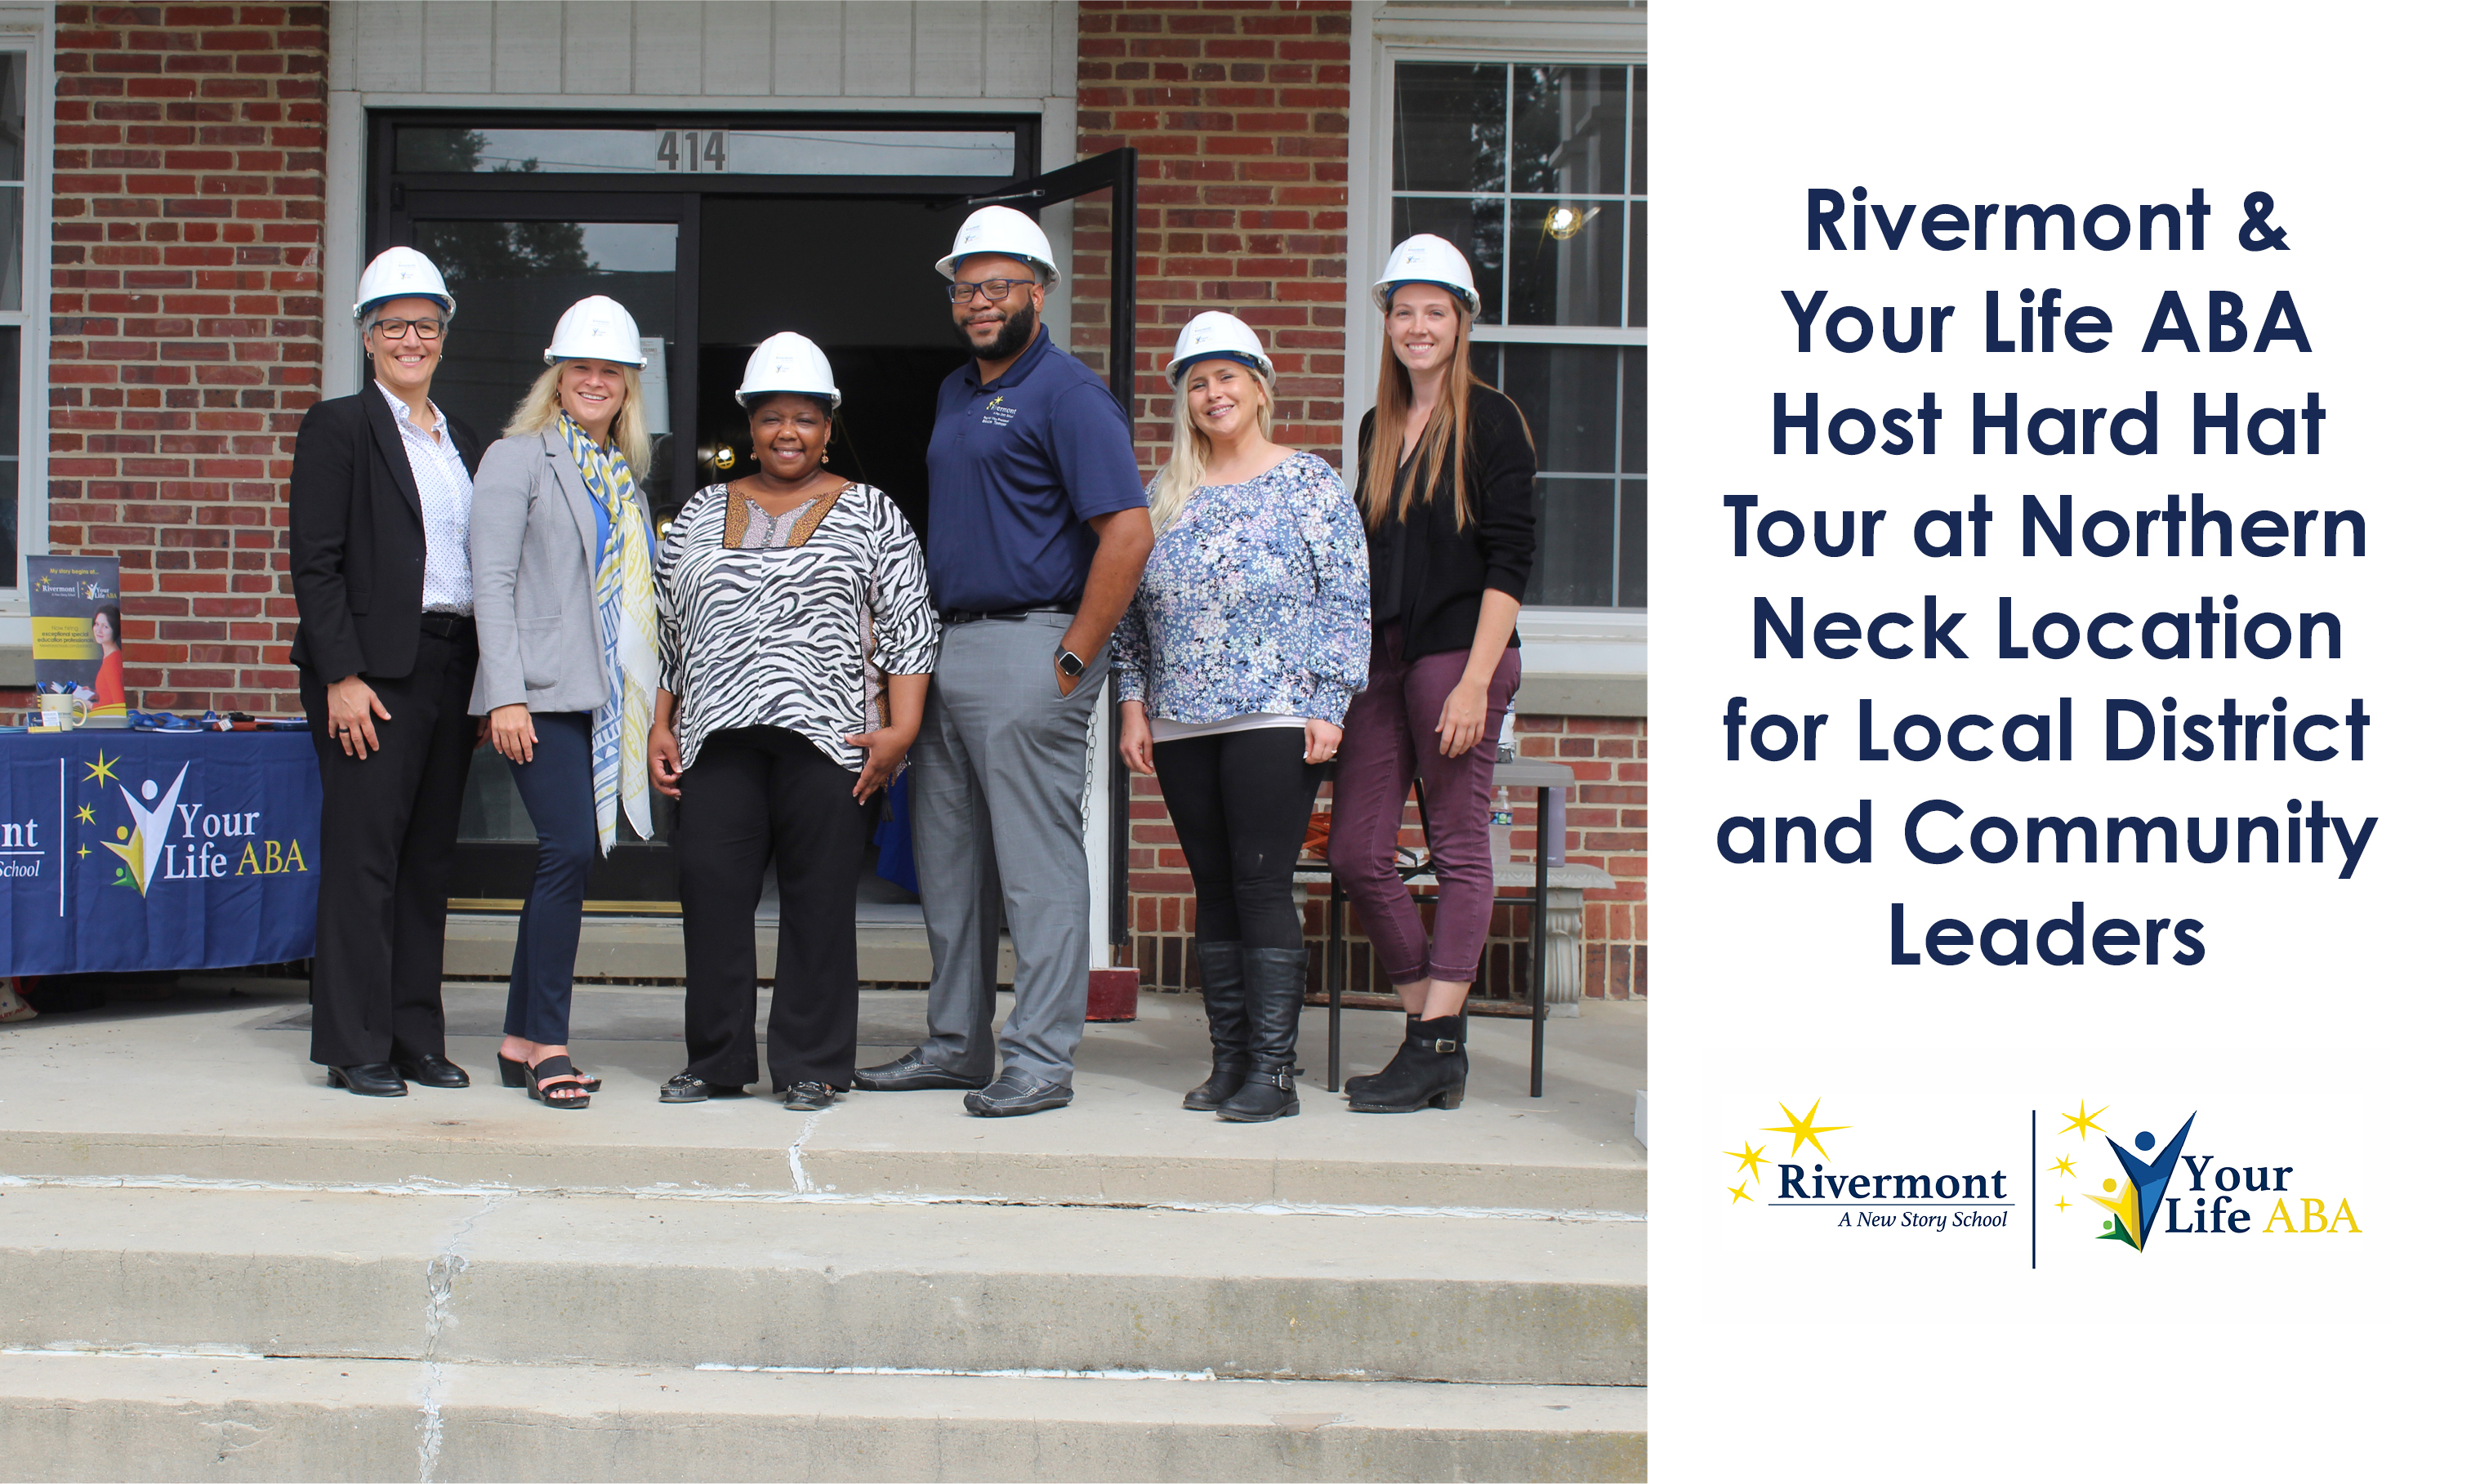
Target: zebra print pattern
{"points": [[794, 637]]}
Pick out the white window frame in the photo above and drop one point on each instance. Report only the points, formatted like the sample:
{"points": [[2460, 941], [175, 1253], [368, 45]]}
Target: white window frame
{"points": [[27, 29], [1599, 650]]}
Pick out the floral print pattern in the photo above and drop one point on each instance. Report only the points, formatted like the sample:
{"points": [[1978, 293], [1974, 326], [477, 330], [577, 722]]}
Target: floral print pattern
{"points": [[1256, 601]]}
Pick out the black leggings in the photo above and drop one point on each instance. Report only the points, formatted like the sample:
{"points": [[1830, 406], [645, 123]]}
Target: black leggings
{"points": [[1240, 801]]}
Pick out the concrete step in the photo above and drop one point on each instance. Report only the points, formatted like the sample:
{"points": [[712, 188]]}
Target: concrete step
{"points": [[230, 1094], [681, 1282], [84, 1417]]}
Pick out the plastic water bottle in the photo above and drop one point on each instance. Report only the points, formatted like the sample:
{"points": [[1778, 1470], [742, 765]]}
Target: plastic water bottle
{"points": [[1500, 826]]}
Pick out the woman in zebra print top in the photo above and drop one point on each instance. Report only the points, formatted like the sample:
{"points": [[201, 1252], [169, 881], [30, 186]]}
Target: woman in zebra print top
{"points": [[796, 638]]}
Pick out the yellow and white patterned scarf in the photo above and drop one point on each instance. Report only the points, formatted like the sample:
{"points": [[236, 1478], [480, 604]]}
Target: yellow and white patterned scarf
{"points": [[629, 619]]}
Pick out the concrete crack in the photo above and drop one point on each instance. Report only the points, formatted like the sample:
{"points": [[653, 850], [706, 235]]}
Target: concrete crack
{"points": [[439, 1313], [797, 1155]]}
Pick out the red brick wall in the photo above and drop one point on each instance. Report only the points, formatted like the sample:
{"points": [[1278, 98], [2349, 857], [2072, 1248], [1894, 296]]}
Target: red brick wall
{"points": [[188, 205]]}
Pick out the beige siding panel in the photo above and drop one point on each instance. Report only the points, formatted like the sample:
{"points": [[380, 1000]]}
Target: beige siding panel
{"points": [[951, 49], [1019, 45], [807, 48], [389, 46], [455, 45], [668, 48], [597, 46], [525, 58], [738, 48], [875, 57]]}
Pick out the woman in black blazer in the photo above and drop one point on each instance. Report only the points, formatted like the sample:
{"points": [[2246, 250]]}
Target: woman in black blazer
{"points": [[381, 500]]}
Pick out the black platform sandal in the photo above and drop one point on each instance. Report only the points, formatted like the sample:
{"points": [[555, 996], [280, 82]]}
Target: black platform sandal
{"points": [[510, 1074], [557, 1095]]}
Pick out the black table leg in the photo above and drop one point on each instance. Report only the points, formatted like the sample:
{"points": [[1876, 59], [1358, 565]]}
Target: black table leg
{"points": [[1334, 971], [1536, 963]]}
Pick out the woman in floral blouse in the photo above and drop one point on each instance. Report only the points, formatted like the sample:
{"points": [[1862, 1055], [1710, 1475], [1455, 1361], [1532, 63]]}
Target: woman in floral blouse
{"points": [[1234, 670]]}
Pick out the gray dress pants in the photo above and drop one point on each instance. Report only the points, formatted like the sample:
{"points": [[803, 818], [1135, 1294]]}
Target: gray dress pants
{"points": [[995, 798]]}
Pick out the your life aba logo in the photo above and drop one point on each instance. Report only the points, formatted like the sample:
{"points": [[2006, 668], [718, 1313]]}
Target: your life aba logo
{"points": [[2195, 1194]]}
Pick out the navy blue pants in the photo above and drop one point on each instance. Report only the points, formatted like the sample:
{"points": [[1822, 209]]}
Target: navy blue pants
{"points": [[556, 786]]}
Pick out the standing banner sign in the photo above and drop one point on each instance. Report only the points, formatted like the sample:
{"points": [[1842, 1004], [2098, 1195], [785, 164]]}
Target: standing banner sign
{"points": [[123, 851], [74, 603]]}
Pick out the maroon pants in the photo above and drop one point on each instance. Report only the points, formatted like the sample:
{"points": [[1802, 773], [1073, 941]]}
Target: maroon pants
{"points": [[1390, 742]]}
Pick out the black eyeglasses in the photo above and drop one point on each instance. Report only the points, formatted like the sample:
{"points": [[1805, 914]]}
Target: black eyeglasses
{"points": [[997, 289], [394, 329]]}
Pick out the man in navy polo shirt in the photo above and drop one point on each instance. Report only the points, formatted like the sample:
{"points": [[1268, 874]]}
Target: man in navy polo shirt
{"points": [[1037, 531]]}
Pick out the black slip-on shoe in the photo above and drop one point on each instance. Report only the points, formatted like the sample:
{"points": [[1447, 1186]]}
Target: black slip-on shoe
{"points": [[432, 1071], [913, 1072], [688, 1088], [1016, 1093], [370, 1079], [808, 1096]]}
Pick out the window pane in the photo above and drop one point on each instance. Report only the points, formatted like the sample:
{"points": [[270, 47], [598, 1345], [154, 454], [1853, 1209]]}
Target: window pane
{"points": [[690, 151], [1574, 543], [1447, 133], [1565, 263], [12, 115], [1632, 582], [1570, 394], [10, 342], [1472, 227], [1633, 411], [13, 247], [1639, 130], [1639, 266], [1567, 137]]}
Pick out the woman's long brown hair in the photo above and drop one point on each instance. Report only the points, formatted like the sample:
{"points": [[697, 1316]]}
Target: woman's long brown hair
{"points": [[1379, 491]]}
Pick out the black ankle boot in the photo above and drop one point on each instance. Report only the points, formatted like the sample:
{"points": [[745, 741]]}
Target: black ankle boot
{"points": [[1350, 1086], [1222, 1000], [1430, 1072], [1273, 996]]}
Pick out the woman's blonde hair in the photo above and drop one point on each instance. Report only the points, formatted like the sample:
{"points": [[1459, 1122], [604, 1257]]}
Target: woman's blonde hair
{"points": [[1378, 491], [537, 413], [1188, 455]]}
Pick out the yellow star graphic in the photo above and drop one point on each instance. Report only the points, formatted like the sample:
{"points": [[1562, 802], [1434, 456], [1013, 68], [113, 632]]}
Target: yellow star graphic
{"points": [[83, 852], [1802, 1131], [2063, 1203], [1741, 1193], [98, 770], [2081, 1120], [2065, 1167], [86, 814], [1752, 1159]]}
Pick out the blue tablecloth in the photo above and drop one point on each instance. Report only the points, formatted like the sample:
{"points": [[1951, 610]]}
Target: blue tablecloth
{"points": [[126, 851]]}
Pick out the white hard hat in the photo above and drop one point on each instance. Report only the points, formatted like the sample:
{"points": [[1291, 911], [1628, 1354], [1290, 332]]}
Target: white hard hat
{"points": [[401, 272], [1001, 229], [1216, 333], [789, 361], [1425, 258], [595, 329]]}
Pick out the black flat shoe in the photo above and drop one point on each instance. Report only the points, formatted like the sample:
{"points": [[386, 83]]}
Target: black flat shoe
{"points": [[510, 1074], [1014, 1093], [432, 1072], [808, 1096], [688, 1088], [913, 1072], [556, 1093], [372, 1080]]}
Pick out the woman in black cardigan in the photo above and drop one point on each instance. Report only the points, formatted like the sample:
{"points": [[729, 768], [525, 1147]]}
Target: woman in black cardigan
{"points": [[1445, 483]]}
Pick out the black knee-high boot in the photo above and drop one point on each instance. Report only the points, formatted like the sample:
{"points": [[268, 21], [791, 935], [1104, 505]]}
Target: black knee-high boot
{"points": [[1222, 1000], [1274, 996]]}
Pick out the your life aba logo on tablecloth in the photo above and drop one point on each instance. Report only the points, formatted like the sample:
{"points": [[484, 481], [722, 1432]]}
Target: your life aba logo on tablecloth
{"points": [[168, 841], [2190, 1191]]}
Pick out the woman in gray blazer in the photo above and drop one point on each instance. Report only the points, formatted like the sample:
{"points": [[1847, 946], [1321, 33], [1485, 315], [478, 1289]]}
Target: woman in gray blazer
{"points": [[569, 626]]}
